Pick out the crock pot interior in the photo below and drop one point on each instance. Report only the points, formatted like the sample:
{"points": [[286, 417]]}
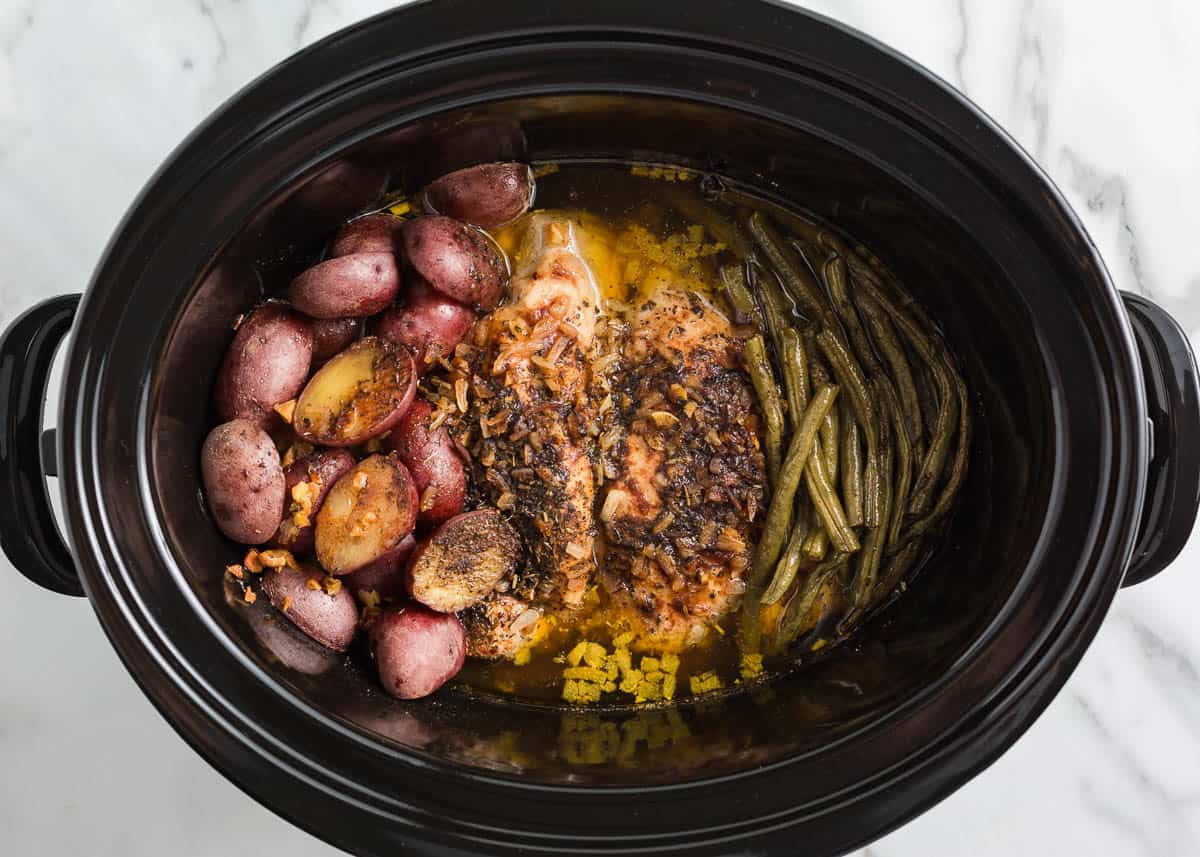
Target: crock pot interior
{"points": [[980, 558]]}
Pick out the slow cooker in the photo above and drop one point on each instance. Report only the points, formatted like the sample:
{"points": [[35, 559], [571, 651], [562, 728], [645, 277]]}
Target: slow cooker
{"points": [[1082, 475]]}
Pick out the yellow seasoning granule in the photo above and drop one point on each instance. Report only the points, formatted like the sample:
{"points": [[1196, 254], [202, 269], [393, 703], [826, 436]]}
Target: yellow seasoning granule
{"points": [[580, 692], [543, 170], [751, 665], [575, 656], [648, 664], [629, 684], [523, 657], [818, 645], [594, 655], [669, 663], [668, 686], [586, 674], [622, 641], [368, 597], [705, 682]]}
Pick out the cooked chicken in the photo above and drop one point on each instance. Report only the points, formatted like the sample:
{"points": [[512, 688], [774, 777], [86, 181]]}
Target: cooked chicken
{"points": [[689, 472], [499, 627], [534, 409]]}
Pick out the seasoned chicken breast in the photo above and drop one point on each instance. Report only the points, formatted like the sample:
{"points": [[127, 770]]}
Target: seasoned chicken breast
{"points": [[534, 408], [688, 471]]}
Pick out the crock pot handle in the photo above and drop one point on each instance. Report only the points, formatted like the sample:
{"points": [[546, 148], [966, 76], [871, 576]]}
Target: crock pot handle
{"points": [[1173, 405], [28, 533]]}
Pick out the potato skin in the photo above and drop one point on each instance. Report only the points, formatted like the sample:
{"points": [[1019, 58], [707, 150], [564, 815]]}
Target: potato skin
{"points": [[384, 576], [433, 460], [360, 284], [321, 469], [331, 620], [366, 515], [243, 481], [266, 364], [428, 324], [375, 233], [487, 195], [359, 394], [456, 259], [416, 650], [460, 564], [331, 336]]}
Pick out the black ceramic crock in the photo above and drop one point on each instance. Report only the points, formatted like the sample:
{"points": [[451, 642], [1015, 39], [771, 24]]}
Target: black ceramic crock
{"points": [[1081, 477]]}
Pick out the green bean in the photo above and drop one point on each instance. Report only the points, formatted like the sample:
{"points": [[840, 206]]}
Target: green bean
{"points": [[851, 461], [849, 376], [763, 379], [896, 569], [777, 309], [930, 352], [828, 506], [794, 360], [901, 373], [817, 544], [733, 277], [789, 564], [837, 281], [958, 468], [779, 511], [829, 441], [830, 445], [871, 554], [794, 276], [832, 343], [903, 460], [798, 608]]}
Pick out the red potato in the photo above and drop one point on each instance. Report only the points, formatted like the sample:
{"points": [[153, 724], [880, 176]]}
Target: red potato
{"points": [[308, 481], [487, 195], [456, 259], [243, 481], [360, 284], [366, 516], [416, 650], [461, 563], [434, 462], [384, 576], [375, 233], [428, 324], [266, 364], [330, 619], [332, 336], [359, 394]]}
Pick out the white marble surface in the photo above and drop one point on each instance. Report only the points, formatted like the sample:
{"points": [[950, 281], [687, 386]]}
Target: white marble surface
{"points": [[1104, 93]]}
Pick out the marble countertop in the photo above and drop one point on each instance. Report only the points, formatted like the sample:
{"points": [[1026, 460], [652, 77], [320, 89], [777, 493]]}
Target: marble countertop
{"points": [[94, 95]]}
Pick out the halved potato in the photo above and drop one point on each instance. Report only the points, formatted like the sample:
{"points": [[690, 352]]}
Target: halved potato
{"points": [[366, 515], [461, 563], [359, 394]]}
